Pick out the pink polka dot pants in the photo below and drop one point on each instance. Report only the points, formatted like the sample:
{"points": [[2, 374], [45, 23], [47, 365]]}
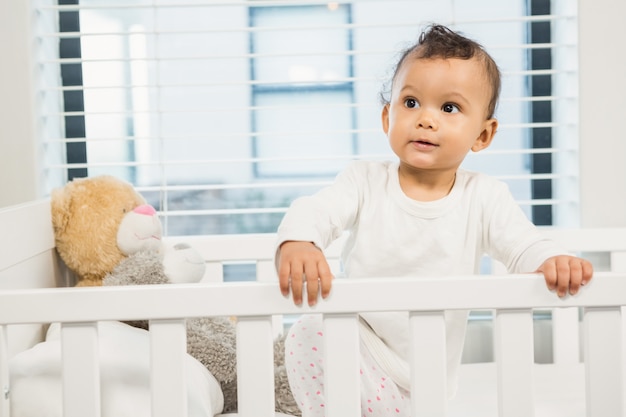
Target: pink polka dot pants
{"points": [[380, 396]]}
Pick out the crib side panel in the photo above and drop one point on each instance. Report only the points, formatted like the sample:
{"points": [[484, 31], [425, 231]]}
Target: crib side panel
{"points": [[42, 270], [26, 231], [406, 294], [28, 260], [566, 326], [27, 255], [262, 249]]}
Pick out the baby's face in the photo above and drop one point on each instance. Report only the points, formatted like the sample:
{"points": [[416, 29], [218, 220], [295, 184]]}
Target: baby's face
{"points": [[438, 112]]}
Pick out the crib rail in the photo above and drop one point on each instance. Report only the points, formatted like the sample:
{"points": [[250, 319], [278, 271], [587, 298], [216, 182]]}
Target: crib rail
{"points": [[28, 259], [513, 296], [514, 291]]}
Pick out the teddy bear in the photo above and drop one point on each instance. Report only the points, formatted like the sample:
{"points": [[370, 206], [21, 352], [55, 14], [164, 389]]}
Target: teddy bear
{"points": [[106, 234], [86, 218]]}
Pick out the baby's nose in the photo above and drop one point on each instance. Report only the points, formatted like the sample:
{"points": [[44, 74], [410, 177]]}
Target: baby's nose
{"points": [[145, 209]]}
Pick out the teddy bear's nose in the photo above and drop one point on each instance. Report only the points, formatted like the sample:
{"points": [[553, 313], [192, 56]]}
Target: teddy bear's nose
{"points": [[145, 209]]}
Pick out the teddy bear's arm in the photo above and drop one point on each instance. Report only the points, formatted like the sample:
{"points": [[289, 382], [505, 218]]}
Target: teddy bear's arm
{"points": [[212, 341]]}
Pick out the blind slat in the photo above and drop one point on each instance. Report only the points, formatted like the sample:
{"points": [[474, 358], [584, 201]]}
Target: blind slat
{"points": [[230, 98]]}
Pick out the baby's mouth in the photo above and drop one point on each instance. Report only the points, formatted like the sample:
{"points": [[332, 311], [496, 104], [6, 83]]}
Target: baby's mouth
{"points": [[423, 143]]}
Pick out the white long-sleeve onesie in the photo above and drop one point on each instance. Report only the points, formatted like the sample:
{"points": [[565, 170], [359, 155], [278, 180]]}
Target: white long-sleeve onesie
{"points": [[393, 235]]}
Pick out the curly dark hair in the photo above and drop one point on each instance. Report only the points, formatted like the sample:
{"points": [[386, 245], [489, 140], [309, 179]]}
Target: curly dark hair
{"points": [[438, 41]]}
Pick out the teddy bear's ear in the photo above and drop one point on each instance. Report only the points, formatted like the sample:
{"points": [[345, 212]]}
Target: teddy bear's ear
{"points": [[59, 206]]}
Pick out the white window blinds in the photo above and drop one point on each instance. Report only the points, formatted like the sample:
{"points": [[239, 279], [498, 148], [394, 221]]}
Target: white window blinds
{"points": [[222, 112]]}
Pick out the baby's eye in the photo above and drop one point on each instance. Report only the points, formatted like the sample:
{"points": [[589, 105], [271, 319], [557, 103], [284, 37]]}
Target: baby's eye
{"points": [[450, 108], [410, 103]]}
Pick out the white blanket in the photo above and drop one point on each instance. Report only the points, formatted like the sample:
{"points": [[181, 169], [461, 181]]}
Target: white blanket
{"points": [[125, 377], [558, 390]]}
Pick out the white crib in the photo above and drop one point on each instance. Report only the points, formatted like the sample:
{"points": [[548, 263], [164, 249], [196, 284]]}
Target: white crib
{"points": [[511, 386]]}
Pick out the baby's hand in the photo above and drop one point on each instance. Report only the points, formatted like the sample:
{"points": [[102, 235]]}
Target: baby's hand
{"points": [[565, 273], [300, 261]]}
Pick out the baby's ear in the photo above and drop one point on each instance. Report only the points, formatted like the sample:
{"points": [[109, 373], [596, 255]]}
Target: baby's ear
{"points": [[385, 118], [486, 136]]}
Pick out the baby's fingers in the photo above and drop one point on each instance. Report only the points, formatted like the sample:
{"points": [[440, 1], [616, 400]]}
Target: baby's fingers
{"points": [[587, 271], [566, 274], [326, 279], [581, 272], [556, 274], [571, 278], [303, 267], [312, 287], [318, 279], [549, 273], [284, 273], [296, 279]]}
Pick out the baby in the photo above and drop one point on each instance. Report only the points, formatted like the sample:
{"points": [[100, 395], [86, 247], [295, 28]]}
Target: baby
{"points": [[421, 215]]}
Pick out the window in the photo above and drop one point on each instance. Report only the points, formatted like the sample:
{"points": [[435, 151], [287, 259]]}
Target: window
{"points": [[222, 112], [302, 93]]}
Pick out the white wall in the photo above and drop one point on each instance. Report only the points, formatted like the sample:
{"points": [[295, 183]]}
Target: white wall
{"points": [[18, 157], [602, 69]]}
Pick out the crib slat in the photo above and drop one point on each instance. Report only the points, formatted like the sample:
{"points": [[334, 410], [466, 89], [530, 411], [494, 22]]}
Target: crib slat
{"points": [[168, 347], [565, 335], [513, 333], [603, 361], [4, 373], [266, 272], [214, 272], [81, 372], [341, 361], [19, 224], [255, 370], [618, 261], [428, 364]]}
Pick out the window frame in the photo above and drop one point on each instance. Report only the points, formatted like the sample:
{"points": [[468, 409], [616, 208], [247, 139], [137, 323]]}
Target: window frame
{"points": [[310, 87]]}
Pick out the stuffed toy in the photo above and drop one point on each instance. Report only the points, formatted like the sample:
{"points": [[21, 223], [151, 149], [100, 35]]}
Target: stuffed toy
{"points": [[106, 234], [99, 221], [212, 341]]}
